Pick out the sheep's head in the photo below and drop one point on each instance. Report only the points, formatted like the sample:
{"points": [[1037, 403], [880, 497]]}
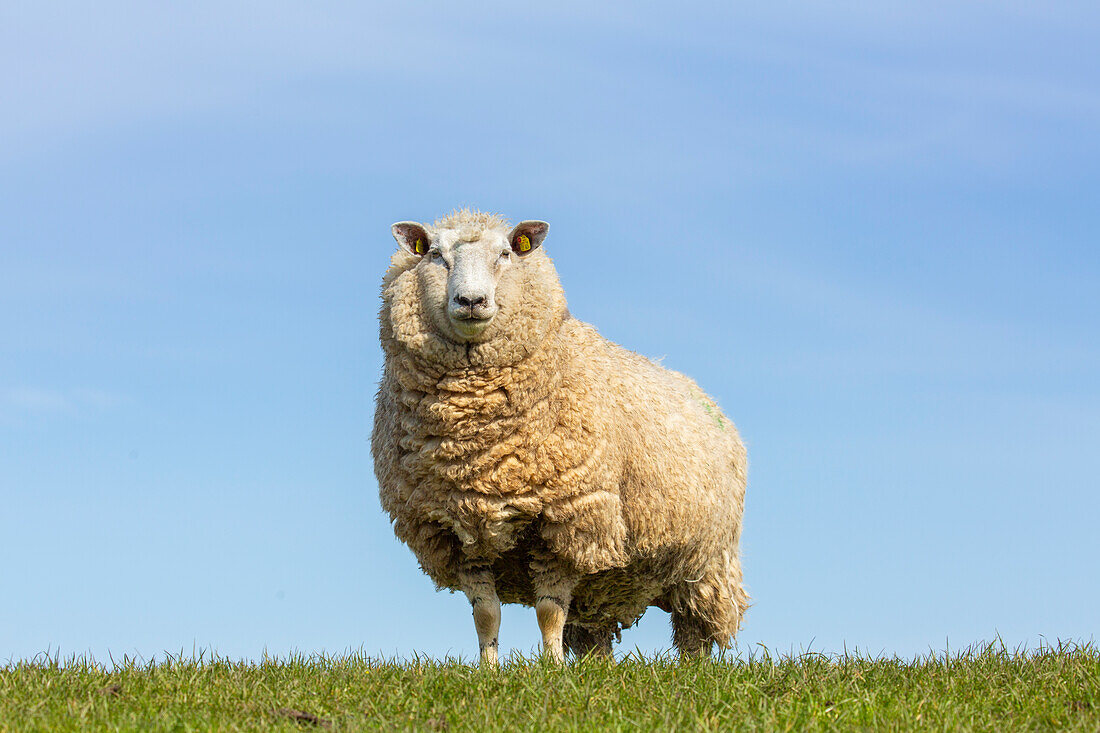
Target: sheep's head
{"points": [[470, 269]]}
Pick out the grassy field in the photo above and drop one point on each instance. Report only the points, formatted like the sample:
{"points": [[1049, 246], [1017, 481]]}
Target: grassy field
{"points": [[988, 688]]}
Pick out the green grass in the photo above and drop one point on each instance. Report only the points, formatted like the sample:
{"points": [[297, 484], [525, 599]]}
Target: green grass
{"points": [[986, 688]]}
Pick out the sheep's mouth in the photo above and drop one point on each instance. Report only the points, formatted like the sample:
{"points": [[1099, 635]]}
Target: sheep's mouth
{"points": [[479, 315], [469, 325]]}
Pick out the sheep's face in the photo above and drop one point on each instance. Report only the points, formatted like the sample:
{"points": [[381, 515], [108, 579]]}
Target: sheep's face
{"points": [[469, 276]]}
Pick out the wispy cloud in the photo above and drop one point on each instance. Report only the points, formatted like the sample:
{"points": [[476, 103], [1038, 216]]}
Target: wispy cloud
{"points": [[44, 401], [38, 400]]}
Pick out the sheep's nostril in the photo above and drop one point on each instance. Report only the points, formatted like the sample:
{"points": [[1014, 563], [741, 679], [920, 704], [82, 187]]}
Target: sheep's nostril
{"points": [[470, 302]]}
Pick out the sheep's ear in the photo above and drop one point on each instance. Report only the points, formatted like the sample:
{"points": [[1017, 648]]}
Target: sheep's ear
{"points": [[412, 237], [527, 236]]}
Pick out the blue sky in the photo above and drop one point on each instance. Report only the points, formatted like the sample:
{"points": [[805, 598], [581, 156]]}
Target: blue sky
{"points": [[869, 232]]}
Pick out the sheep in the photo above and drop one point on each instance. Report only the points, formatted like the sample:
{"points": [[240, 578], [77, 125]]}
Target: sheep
{"points": [[526, 459]]}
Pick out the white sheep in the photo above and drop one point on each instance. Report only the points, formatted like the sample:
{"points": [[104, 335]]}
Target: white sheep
{"points": [[526, 459]]}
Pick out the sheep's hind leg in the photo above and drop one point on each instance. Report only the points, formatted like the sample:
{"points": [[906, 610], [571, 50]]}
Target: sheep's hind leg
{"points": [[553, 592], [481, 590], [582, 642]]}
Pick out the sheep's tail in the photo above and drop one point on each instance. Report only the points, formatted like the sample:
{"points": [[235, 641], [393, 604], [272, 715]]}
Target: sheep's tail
{"points": [[731, 599], [710, 608]]}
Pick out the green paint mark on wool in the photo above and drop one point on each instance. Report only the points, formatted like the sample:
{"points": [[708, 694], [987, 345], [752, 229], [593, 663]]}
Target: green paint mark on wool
{"points": [[711, 410]]}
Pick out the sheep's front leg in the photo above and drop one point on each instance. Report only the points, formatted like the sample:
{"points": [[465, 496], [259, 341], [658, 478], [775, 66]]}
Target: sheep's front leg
{"points": [[554, 592], [482, 593]]}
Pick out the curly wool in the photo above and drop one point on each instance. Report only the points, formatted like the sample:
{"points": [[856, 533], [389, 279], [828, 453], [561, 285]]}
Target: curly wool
{"points": [[547, 443]]}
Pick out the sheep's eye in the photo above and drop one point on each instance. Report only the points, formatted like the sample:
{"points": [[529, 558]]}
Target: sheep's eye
{"points": [[436, 254], [505, 254]]}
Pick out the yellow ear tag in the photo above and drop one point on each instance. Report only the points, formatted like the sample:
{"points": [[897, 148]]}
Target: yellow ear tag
{"points": [[421, 248], [524, 243]]}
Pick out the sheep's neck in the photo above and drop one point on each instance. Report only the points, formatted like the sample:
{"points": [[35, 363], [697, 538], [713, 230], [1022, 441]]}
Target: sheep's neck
{"points": [[466, 405]]}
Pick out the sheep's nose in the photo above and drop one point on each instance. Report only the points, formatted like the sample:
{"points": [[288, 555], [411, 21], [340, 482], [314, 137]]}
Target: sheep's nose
{"points": [[470, 302]]}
